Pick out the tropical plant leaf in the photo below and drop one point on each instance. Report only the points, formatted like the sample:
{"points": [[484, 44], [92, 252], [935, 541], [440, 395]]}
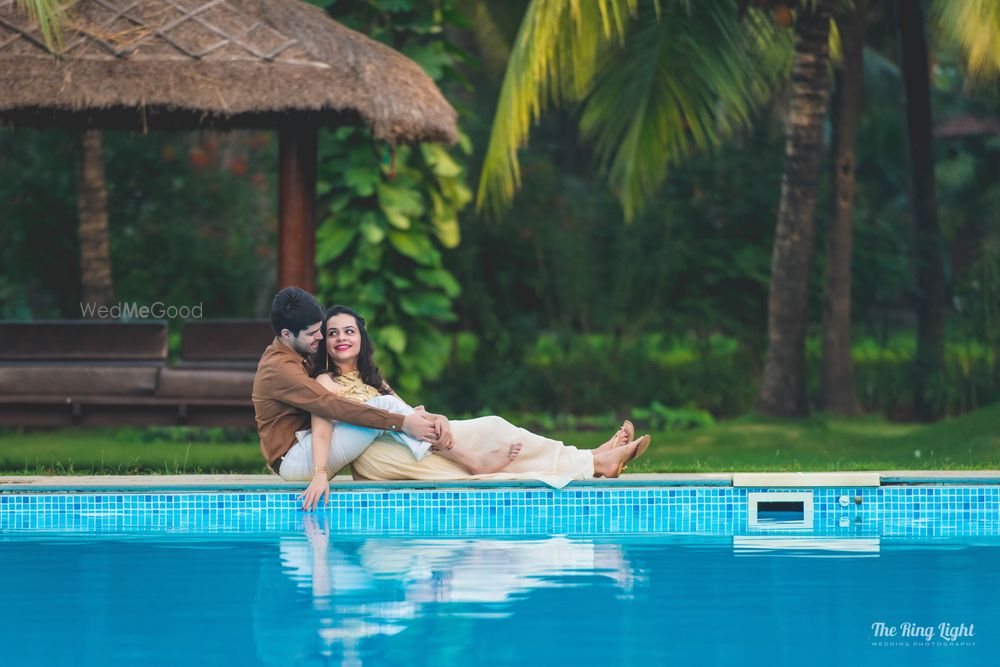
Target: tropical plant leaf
{"points": [[362, 180], [553, 62], [440, 161], [371, 229], [415, 246], [48, 14], [332, 241], [440, 278], [399, 204], [682, 83], [426, 304], [657, 80], [445, 222], [971, 29], [392, 337]]}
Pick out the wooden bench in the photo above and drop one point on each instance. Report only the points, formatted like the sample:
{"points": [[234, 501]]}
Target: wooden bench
{"points": [[99, 372]]}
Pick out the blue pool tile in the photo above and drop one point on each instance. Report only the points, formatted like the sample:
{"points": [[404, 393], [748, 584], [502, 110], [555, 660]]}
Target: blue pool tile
{"points": [[888, 510]]}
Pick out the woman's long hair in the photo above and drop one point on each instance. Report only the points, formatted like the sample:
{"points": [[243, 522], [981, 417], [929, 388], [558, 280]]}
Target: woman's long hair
{"points": [[370, 374]]}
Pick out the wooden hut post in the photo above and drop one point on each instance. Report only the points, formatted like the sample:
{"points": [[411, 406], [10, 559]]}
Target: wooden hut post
{"points": [[297, 148]]}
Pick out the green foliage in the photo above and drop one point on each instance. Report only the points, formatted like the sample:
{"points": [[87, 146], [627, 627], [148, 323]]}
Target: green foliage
{"points": [[387, 217], [884, 376], [970, 29], [563, 298], [183, 434], [978, 295], [38, 245], [687, 77], [655, 417], [601, 375], [658, 417], [191, 220], [686, 381], [655, 80]]}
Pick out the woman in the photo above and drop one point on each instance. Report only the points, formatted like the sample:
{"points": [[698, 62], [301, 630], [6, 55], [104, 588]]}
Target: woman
{"points": [[344, 364]]}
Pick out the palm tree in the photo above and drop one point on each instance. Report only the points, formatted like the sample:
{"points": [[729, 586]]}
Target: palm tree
{"points": [[782, 390], [927, 236], [691, 73], [92, 203], [838, 391]]}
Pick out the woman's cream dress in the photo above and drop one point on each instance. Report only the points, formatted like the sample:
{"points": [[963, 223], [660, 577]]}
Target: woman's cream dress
{"points": [[543, 459]]}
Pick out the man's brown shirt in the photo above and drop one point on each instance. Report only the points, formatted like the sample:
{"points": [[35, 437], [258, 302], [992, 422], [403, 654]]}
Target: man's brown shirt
{"points": [[284, 398]]}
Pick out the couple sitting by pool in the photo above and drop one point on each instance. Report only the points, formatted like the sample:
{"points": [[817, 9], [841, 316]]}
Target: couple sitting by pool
{"points": [[322, 404]]}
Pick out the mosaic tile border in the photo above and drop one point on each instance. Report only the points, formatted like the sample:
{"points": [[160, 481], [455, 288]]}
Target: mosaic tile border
{"points": [[902, 511]]}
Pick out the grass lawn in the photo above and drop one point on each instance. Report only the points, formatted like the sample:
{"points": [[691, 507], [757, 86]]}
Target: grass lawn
{"points": [[748, 444]]}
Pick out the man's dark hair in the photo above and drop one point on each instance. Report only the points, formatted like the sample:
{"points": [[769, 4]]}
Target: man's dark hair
{"points": [[294, 309]]}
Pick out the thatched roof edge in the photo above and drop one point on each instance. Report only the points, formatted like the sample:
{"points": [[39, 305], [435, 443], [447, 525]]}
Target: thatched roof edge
{"points": [[318, 66]]}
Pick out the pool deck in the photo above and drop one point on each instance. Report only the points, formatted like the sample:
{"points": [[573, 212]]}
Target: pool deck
{"points": [[342, 483]]}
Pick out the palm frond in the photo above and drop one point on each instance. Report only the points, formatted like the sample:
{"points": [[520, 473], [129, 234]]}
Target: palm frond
{"points": [[683, 84], [971, 28], [48, 15], [656, 82], [552, 63]]}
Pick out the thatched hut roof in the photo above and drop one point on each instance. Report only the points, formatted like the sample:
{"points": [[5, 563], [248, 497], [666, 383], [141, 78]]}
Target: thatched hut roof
{"points": [[212, 63]]}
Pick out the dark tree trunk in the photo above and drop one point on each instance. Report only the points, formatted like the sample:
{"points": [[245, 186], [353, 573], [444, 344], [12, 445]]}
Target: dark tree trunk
{"points": [[838, 366], [92, 204], [927, 238], [782, 391]]}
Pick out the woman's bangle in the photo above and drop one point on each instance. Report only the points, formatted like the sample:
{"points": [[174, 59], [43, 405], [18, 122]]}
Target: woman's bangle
{"points": [[318, 469]]}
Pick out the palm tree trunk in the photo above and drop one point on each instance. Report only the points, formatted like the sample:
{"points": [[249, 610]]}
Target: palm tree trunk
{"points": [[927, 238], [92, 204], [838, 366], [782, 391]]}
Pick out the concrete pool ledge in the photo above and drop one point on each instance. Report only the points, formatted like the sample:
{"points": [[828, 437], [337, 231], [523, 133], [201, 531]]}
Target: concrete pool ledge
{"points": [[339, 483], [180, 483], [801, 479]]}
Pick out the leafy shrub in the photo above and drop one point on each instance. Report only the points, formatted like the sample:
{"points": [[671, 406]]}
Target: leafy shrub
{"points": [[215, 435], [715, 376]]}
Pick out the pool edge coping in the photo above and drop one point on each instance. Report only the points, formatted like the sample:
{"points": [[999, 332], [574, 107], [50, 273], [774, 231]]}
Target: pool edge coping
{"points": [[229, 483]]}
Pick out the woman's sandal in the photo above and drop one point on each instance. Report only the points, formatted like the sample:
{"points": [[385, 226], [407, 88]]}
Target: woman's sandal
{"points": [[639, 451], [629, 429]]}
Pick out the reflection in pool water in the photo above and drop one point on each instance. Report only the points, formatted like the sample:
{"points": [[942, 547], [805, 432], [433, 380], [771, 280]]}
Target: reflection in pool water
{"points": [[377, 587]]}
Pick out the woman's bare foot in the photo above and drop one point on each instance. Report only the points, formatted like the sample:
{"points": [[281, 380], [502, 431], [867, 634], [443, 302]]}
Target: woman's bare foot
{"points": [[608, 463], [612, 462], [496, 460], [623, 436]]}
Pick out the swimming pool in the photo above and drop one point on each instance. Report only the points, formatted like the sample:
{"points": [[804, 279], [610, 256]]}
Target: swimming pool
{"points": [[616, 576]]}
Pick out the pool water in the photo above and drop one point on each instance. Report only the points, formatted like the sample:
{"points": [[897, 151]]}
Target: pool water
{"points": [[311, 595]]}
